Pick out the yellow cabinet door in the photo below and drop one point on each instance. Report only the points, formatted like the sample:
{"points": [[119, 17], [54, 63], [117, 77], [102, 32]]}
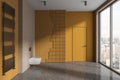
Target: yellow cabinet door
{"points": [[79, 43]]}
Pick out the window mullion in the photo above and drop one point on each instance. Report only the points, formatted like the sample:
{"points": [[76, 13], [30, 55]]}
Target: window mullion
{"points": [[111, 36]]}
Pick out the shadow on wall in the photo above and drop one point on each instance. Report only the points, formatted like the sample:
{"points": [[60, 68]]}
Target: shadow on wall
{"points": [[54, 34]]}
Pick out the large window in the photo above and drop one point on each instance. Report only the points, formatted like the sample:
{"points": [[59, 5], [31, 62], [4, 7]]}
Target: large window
{"points": [[109, 39], [105, 36], [116, 37]]}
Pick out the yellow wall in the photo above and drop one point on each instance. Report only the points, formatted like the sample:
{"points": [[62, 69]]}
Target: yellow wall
{"points": [[10, 74], [72, 19], [42, 42], [50, 35], [75, 19]]}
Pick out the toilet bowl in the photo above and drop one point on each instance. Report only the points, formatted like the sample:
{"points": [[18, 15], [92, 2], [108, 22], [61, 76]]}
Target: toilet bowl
{"points": [[34, 61]]}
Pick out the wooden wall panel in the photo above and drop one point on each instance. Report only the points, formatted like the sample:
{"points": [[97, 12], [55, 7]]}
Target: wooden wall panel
{"points": [[69, 38], [42, 34], [57, 37], [50, 36], [74, 19], [90, 54], [45, 43], [10, 74]]}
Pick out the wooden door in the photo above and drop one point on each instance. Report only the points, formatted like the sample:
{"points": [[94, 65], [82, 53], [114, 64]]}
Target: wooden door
{"points": [[79, 43]]}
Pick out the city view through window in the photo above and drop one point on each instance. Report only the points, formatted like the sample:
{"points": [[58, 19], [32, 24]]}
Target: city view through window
{"points": [[105, 36], [110, 33]]}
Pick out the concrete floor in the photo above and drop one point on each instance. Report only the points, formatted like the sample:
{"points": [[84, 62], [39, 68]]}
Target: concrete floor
{"points": [[68, 71]]}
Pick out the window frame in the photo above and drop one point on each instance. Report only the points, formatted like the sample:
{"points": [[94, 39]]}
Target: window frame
{"points": [[111, 37]]}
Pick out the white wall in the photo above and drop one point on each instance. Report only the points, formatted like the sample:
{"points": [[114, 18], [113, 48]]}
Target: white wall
{"points": [[28, 34]]}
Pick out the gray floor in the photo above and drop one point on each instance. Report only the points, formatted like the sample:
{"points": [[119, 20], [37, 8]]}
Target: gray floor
{"points": [[68, 71]]}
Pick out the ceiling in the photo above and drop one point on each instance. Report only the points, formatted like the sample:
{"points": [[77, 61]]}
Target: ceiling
{"points": [[69, 5]]}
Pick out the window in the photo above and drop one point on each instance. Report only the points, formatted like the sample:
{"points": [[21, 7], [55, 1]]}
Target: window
{"points": [[105, 36], [109, 37], [116, 37]]}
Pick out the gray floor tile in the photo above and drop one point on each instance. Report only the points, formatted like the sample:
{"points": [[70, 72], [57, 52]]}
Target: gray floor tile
{"points": [[68, 71]]}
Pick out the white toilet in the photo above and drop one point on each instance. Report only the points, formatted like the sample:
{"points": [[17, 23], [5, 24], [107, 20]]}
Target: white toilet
{"points": [[34, 61]]}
